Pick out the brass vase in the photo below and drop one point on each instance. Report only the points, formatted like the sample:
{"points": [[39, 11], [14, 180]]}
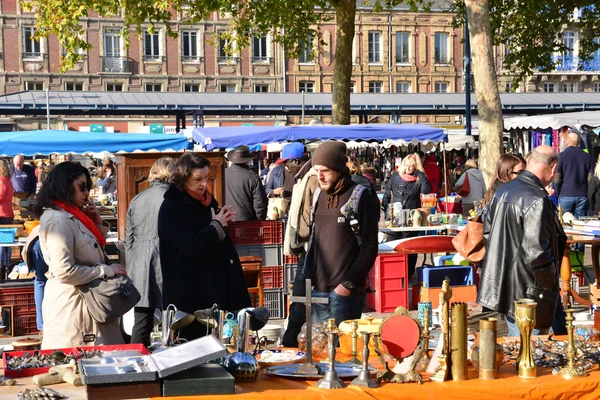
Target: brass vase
{"points": [[525, 320]]}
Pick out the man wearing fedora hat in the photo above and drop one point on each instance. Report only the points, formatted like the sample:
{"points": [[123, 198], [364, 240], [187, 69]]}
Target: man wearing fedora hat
{"points": [[243, 189]]}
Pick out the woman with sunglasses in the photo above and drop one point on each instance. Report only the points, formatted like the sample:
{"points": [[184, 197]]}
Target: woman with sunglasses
{"points": [[72, 240], [508, 167]]}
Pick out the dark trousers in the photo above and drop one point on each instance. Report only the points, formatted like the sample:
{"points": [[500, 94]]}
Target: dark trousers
{"points": [[297, 312], [142, 328]]}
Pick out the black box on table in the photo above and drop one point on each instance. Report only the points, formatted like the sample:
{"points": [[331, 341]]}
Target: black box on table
{"points": [[203, 379]]}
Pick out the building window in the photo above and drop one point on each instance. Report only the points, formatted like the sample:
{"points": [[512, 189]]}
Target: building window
{"points": [[375, 87], [441, 48], [402, 87], [569, 87], [74, 86], [402, 39], [32, 48], [307, 86], [260, 49], [352, 87], [596, 87], [153, 87], [189, 46], [548, 87], [305, 50], [507, 87], [228, 87], [112, 43], [152, 46], [261, 88], [114, 87], [34, 85], [374, 47], [191, 87], [441, 87]]}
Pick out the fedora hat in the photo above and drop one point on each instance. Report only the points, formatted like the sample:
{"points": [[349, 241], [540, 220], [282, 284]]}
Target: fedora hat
{"points": [[240, 155]]}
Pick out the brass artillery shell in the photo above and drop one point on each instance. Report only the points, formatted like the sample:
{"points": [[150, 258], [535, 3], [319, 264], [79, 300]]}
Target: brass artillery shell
{"points": [[488, 335], [458, 340]]}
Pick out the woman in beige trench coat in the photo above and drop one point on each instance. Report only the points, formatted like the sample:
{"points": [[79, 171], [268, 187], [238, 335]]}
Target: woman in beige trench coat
{"points": [[72, 239]]}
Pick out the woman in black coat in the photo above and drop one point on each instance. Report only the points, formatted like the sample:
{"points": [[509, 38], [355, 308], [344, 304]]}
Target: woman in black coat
{"points": [[199, 262]]}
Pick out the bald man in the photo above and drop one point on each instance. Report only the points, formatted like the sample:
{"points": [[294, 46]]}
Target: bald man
{"points": [[23, 176], [574, 171], [524, 244]]}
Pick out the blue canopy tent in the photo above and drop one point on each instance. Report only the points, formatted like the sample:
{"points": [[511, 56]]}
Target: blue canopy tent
{"points": [[47, 142], [229, 137]]}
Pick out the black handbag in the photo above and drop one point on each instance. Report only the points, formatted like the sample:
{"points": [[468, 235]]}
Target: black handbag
{"points": [[108, 300]]}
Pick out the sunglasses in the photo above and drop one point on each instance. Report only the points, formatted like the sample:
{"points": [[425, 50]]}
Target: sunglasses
{"points": [[516, 172], [82, 186]]}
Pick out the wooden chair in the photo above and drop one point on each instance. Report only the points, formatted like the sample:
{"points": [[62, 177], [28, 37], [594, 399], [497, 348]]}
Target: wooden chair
{"points": [[252, 267]]}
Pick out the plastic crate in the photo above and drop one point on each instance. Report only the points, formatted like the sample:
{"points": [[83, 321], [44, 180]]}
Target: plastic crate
{"points": [[291, 259], [289, 274], [433, 276], [389, 279], [275, 303], [25, 324], [272, 254], [7, 235], [21, 298], [256, 232], [272, 277]]}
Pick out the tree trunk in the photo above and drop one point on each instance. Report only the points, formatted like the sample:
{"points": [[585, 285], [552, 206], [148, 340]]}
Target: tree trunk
{"points": [[486, 86], [345, 11]]}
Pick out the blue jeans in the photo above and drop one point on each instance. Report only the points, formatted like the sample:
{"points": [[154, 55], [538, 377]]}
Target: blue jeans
{"points": [[38, 292], [578, 206], [341, 308]]}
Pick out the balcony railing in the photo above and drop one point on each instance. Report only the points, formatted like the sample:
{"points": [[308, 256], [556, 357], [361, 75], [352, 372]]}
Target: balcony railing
{"points": [[116, 64], [570, 63], [262, 59], [228, 59], [148, 58], [34, 55], [196, 59]]}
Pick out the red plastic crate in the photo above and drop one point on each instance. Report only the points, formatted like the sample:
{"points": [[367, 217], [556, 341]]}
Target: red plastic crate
{"points": [[13, 373], [25, 324], [272, 277], [292, 259], [389, 278], [256, 232], [21, 298]]}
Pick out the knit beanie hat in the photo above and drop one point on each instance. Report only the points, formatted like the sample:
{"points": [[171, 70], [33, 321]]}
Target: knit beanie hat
{"points": [[331, 154]]}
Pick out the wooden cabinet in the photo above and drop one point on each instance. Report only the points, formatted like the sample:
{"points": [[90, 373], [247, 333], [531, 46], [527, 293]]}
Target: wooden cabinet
{"points": [[132, 178]]}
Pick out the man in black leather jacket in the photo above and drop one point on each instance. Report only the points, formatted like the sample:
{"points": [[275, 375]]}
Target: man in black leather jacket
{"points": [[524, 244]]}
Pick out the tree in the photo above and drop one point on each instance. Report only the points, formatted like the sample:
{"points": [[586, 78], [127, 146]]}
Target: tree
{"points": [[289, 23], [532, 34]]}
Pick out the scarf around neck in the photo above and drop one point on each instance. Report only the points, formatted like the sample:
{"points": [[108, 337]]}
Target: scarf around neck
{"points": [[333, 194], [204, 198], [85, 220], [407, 177]]}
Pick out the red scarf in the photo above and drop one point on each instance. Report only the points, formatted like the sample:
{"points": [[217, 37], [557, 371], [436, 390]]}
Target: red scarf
{"points": [[204, 198], [85, 220], [408, 178]]}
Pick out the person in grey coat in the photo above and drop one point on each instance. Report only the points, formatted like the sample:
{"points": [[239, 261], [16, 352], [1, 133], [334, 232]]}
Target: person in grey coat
{"points": [[142, 248], [243, 189], [476, 184]]}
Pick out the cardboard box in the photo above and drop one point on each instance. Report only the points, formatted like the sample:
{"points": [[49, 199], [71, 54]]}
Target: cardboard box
{"points": [[465, 294], [154, 366]]}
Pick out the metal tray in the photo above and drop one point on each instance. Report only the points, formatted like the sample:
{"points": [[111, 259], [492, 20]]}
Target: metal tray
{"points": [[298, 356], [344, 371]]}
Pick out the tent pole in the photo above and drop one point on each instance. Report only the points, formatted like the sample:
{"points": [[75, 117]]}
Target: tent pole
{"points": [[445, 176]]}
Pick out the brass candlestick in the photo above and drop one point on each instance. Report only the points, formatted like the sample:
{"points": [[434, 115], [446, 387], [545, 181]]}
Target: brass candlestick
{"points": [[364, 377], [425, 359], [525, 320], [571, 370], [444, 372], [354, 327], [331, 379], [392, 224], [488, 337], [459, 342]]}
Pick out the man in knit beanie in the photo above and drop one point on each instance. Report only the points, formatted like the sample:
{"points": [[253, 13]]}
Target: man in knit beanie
{"points": [[339, 258]]}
